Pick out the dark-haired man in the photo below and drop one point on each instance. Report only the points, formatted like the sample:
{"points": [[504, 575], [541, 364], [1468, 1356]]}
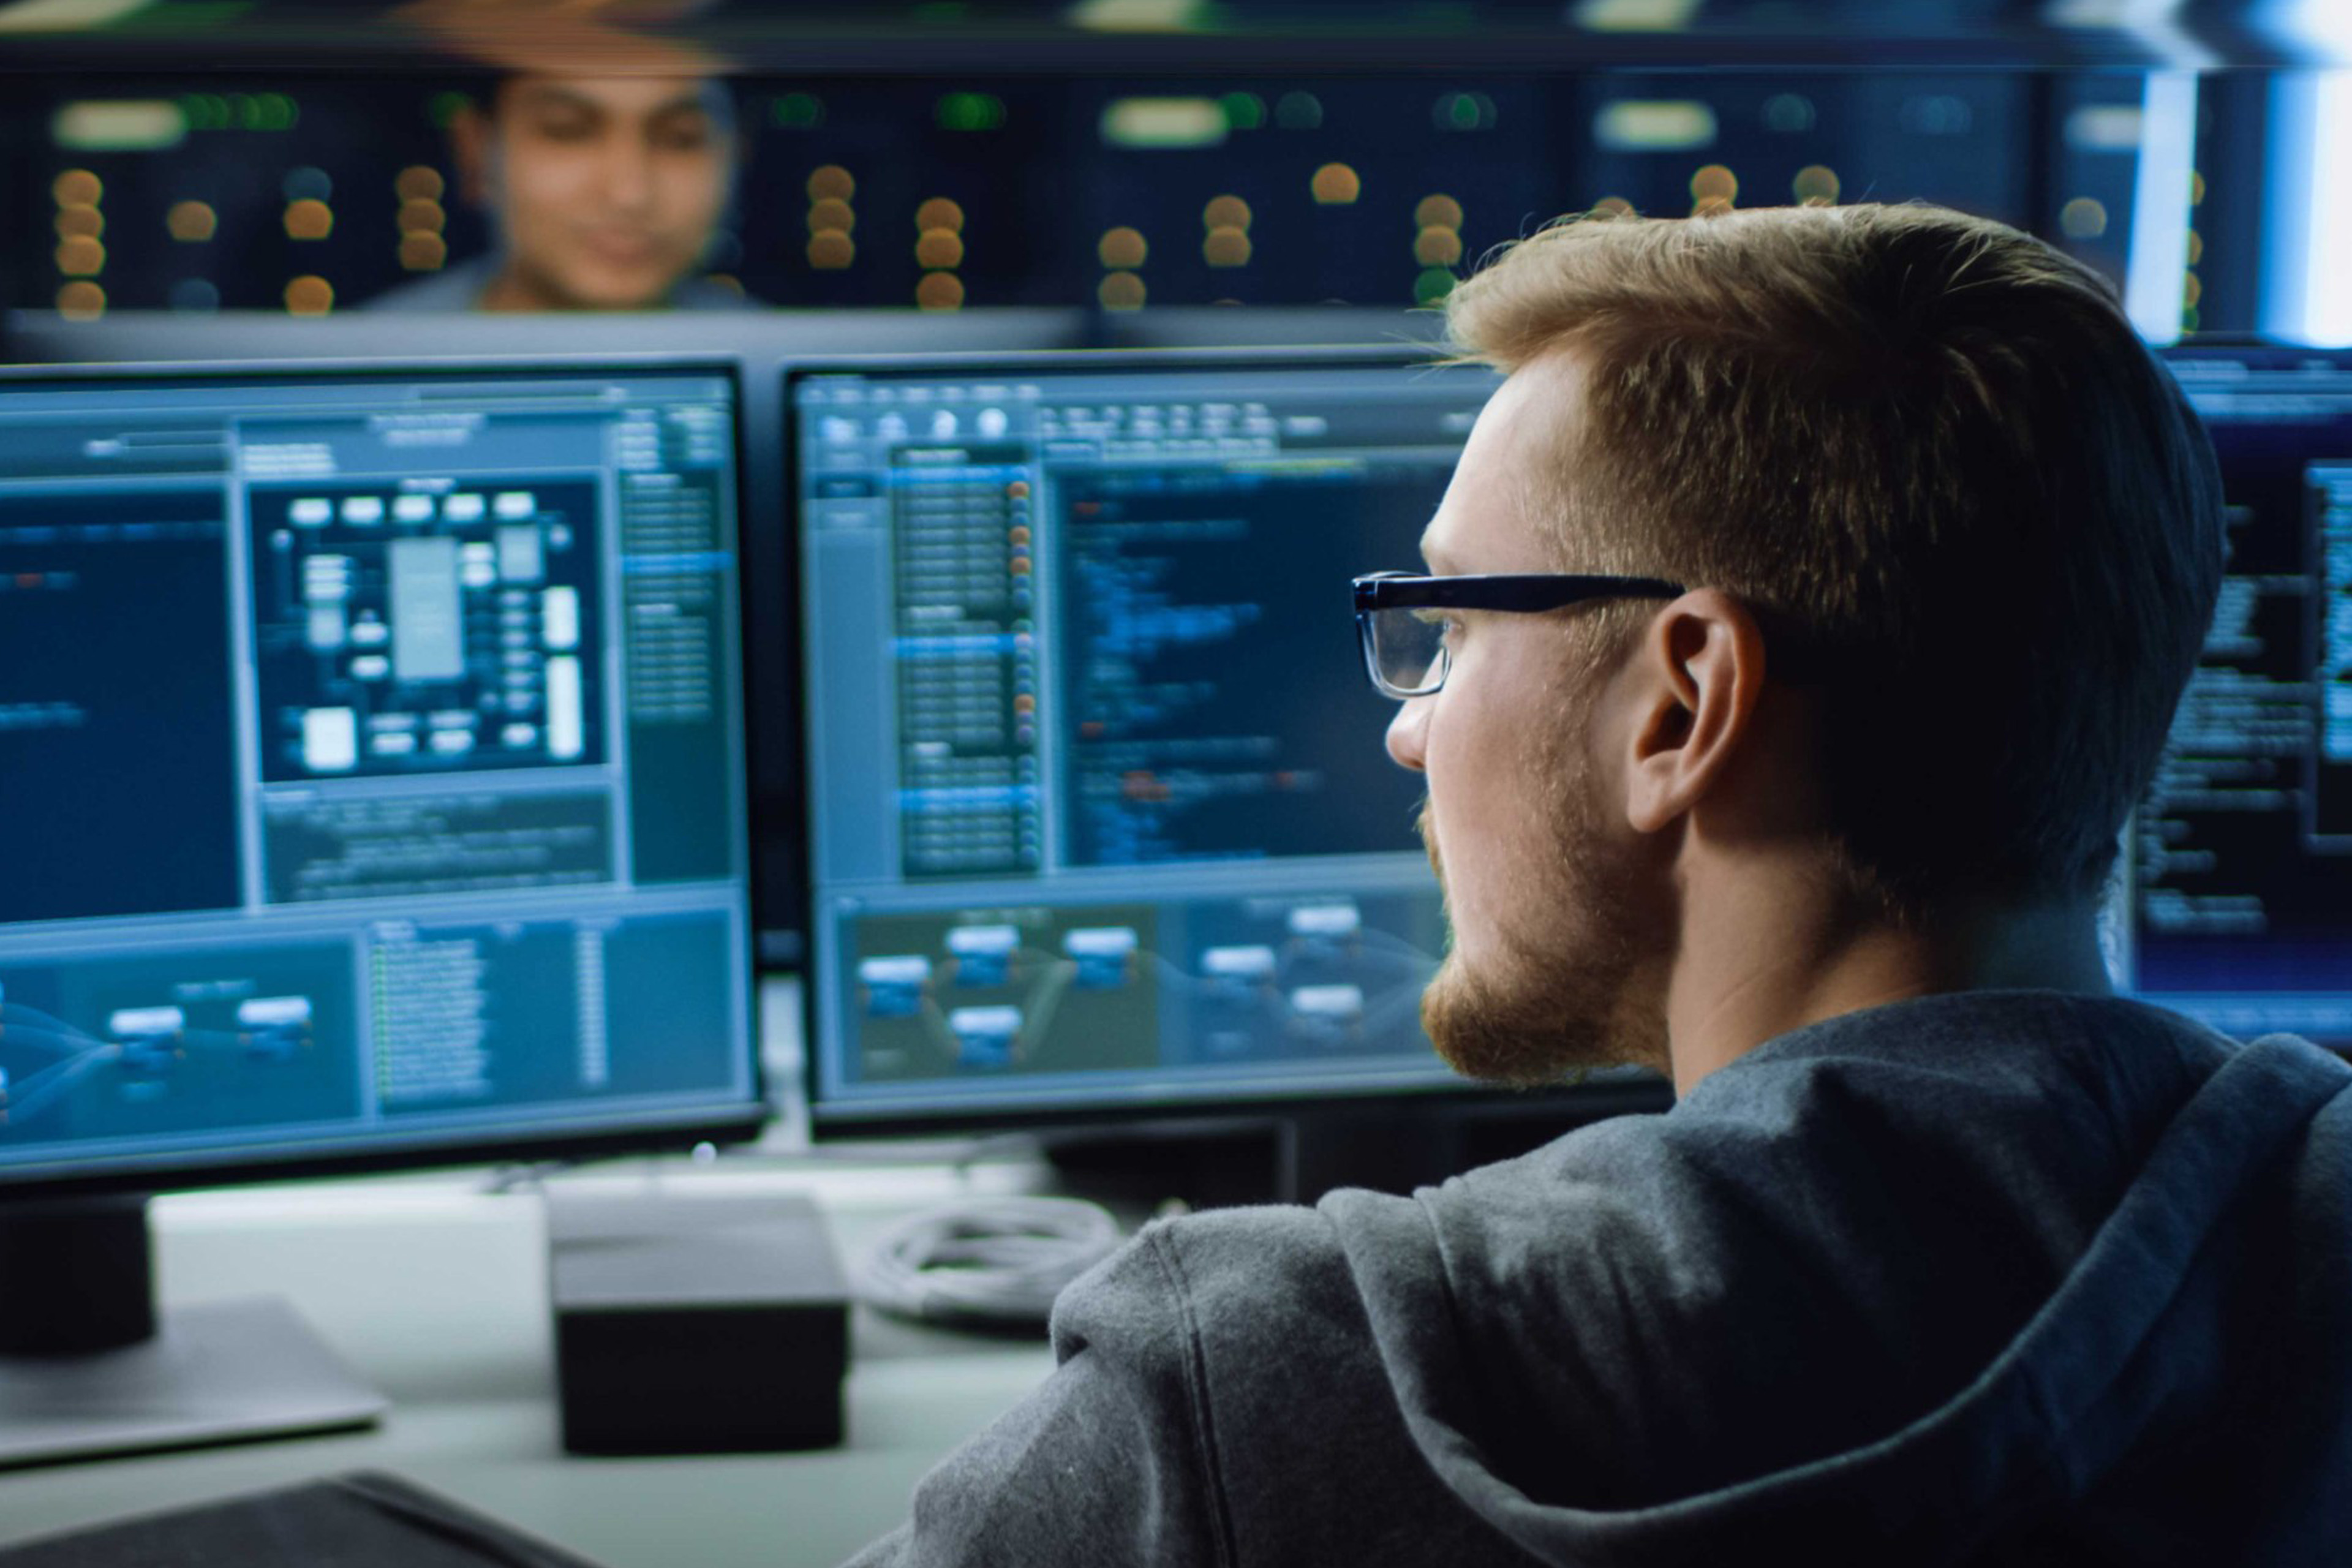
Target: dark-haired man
{"points": [[604, 194], [1806, 614]]}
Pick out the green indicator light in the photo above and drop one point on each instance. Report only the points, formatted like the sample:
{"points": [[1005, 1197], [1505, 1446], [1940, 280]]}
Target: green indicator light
{"points": [[443, 106], [1434, 284], [971, 112], [1244, 111], [206, 110], [1464, 111], [798, 111], [262, 111]]}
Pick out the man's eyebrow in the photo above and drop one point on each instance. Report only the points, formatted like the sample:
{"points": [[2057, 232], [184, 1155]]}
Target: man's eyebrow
{"points": [[552, 95]]}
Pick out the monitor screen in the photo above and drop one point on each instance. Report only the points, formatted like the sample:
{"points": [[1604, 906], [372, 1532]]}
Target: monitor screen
{"points": [[370, 767], [2240, 867], [1101, 817]]}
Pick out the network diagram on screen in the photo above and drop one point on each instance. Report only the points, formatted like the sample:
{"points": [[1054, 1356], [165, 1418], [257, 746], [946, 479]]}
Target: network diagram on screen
{"points": [[368, 760], [1102, 813]]}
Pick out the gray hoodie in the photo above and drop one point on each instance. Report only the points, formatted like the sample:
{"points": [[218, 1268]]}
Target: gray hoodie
{"points": [[2002, 1278]]}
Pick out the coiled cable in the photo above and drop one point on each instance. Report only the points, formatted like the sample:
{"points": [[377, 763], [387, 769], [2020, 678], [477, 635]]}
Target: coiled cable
{"points": [[986, 1262]]}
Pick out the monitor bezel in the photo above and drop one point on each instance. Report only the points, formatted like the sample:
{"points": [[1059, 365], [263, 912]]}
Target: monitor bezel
{"points": [[579, 1139], [829, 1120]]}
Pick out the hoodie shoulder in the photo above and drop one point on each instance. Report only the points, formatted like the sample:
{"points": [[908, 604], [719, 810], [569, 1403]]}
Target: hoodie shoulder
{"points": [[1291, 1397], [1820, 1241]]}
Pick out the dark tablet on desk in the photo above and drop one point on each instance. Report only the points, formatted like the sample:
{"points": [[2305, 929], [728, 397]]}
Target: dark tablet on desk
{"points": [[364, 1519]]}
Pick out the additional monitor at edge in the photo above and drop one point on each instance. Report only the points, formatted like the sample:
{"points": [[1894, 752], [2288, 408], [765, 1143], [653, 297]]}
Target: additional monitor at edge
{"points": [[1102, 821], [371, 768], [2239, 893]]}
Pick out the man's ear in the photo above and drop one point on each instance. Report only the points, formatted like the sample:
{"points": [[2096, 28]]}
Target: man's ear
{"points": [[469, 147], [1700, 672]]}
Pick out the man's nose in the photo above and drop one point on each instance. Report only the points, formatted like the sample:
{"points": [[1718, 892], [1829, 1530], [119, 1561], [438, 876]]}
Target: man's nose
{"points": [[1409, 732], [628, 171]]}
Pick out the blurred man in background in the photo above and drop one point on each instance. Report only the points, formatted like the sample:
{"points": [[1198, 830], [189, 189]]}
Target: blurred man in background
{"points": [[604, 194]]}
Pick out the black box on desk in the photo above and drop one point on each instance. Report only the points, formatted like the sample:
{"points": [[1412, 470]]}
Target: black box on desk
{"points": [[696, 1325]]}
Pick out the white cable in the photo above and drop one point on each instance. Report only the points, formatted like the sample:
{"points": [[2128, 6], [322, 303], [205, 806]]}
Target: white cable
{"points": [[994, 1262]]}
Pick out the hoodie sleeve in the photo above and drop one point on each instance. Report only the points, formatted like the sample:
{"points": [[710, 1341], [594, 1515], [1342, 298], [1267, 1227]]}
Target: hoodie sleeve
{"points": [[1220, 1401], [1108, 1462]]}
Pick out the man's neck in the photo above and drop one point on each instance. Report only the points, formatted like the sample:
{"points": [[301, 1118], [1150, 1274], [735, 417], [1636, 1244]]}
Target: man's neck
{"points": [[1763, 956]]}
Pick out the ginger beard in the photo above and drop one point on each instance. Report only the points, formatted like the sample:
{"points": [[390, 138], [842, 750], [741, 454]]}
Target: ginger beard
{"points": [[1569, 989]]}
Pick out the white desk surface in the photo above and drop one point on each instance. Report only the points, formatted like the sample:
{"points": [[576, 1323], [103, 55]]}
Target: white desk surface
{"points": [[435, 1290]]}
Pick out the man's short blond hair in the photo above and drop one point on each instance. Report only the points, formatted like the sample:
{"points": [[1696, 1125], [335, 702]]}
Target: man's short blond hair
{"points": [[1929, 448]]}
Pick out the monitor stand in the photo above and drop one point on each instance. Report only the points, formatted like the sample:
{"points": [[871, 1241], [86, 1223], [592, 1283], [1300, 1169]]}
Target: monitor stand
{"points": [[86, 1371]]}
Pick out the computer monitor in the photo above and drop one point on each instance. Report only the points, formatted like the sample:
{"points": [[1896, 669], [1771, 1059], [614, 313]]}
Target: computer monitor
{"points": [[371, 777], [1102, 823], [2239, 895]]}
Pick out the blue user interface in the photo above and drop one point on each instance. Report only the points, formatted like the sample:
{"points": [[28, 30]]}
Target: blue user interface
{"points": [[370, 748], [1102, 816], [2242, 855]]}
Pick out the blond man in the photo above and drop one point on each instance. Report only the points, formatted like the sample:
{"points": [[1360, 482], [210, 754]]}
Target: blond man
{"points": [[1806, 614]]}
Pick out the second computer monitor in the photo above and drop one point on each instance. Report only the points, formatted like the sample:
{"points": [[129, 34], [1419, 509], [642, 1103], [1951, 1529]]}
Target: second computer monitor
{"points": [[1102, 816]]}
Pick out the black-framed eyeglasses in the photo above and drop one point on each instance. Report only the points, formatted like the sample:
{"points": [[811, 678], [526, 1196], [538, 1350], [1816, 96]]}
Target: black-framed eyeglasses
{"points": [[1406, 651]]}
